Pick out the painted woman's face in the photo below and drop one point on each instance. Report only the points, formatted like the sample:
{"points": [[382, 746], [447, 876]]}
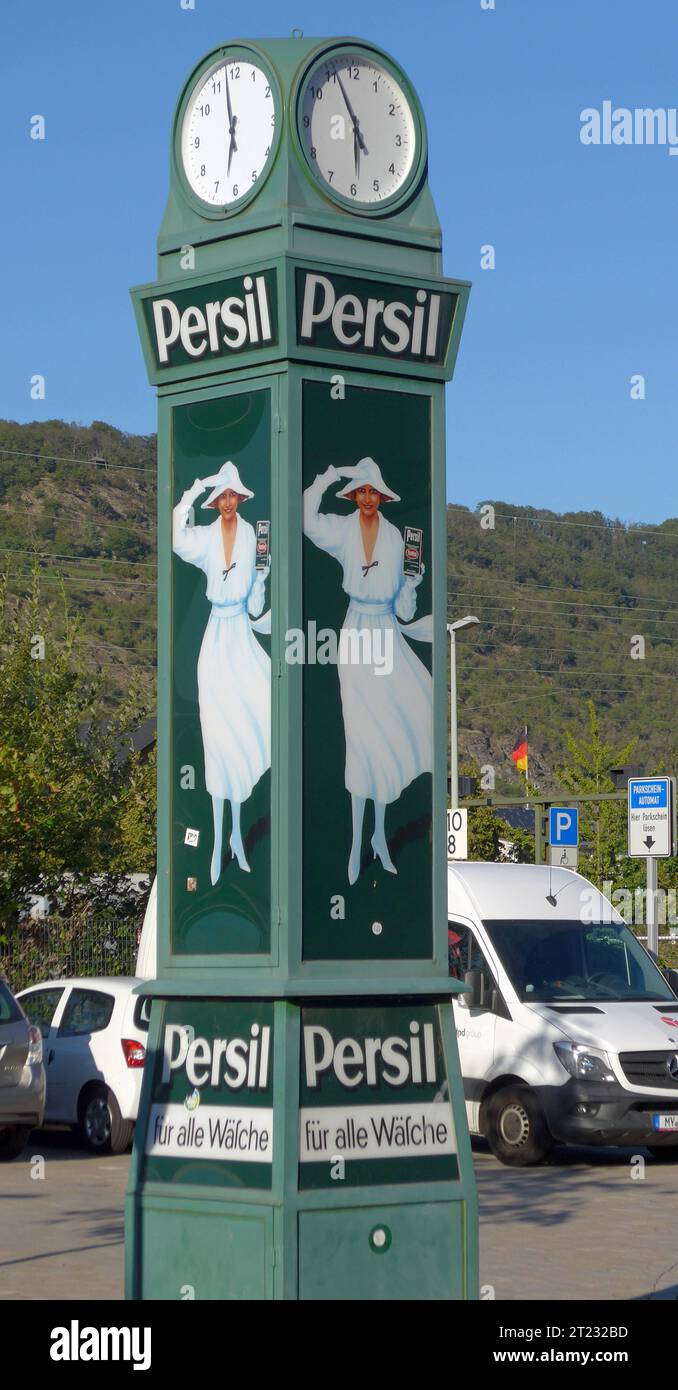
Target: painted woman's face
{"points": [[367, 500], [227, 504]]}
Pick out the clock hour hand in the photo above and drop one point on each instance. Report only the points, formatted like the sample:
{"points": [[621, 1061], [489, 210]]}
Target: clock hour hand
{"points": [[358, 137]]}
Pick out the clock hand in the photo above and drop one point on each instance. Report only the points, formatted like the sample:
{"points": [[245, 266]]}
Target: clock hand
{"points": [[357, 133], [356, 153], [231, 123]]}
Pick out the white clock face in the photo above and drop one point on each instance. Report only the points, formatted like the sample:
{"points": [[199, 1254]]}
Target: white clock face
{"points": [[228, 131], [357, 128]]}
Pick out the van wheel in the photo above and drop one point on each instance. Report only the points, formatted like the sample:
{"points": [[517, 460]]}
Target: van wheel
{"points": [[515, 1127], [13, 1141], [665, 1153], [101, 1126]]}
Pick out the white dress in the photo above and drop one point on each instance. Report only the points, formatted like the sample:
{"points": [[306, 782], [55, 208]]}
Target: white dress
{"points": [[387, 717], [234, 671]]}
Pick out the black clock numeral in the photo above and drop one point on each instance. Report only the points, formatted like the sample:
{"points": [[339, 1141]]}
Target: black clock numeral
{"points": [[399, 140], [313, 152], [235, 73], [268, 151], [254, 176], [216, 86], [353, 72], [196, 142], [254, 74], [316, 93], [391, 109], [354, 190], [391, 168], [205, 110], [267, 93], [375, 185], [330, 175], [306, 122], [273, 119], [216, 185], [202, 171], [235, 190]]}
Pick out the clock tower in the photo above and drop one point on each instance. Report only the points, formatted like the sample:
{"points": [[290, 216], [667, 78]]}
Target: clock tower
{"points": [[302, 1090]]}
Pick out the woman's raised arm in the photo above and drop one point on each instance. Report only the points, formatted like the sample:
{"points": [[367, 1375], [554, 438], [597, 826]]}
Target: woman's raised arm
{"points": [[327, 532], [189, 542]]}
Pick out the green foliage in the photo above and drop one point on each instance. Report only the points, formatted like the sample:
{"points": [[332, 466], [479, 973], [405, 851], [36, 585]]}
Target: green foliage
{"points": [[70, 796]]}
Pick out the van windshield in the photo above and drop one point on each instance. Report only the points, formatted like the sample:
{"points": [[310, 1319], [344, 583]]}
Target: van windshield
{"points": [[552, 962]]}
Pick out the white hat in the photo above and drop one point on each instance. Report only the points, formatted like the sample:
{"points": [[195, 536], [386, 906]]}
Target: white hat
{"points": [[227, 477], [367, 471]]}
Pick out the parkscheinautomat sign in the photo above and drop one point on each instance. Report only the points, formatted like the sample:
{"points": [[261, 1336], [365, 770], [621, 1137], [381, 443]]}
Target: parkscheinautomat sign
{"points": [[295, 309]]}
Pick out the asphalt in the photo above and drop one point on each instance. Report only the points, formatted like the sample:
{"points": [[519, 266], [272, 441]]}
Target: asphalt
{"points": [[581, 1227]]}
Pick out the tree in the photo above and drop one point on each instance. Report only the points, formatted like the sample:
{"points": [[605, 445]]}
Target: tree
{"points": [[69, 790], [602, 823]]}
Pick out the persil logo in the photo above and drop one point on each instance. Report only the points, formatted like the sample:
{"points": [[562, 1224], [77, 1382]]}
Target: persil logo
{"points": [[224, 324], [233, 1062], [361, 322], [393, 1061]]}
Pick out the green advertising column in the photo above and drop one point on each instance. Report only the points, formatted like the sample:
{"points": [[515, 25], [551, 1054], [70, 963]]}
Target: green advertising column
{"points": [[302, 1130]]}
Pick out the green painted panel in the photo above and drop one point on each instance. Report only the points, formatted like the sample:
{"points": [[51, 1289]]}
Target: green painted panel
{"points": [[395, 321], [367, 705], [219, 320], [221, 685], [198, 1251], [211, 1104], [374, 1093], [386, 1253]]}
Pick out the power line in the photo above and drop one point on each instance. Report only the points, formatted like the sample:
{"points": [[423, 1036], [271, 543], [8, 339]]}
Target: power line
{"points": [[561, 588], [613, 528], [73, 559], [77, 462]]}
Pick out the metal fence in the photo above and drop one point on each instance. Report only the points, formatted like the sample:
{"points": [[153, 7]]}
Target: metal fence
{"points": [[52, 947]]}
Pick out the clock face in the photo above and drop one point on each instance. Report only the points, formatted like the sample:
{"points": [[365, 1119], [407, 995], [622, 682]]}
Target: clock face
{"points": [[357, 128], [228, 131]]}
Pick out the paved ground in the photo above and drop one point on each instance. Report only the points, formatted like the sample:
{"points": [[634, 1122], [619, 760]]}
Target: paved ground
{"points": [[579, 1228]]}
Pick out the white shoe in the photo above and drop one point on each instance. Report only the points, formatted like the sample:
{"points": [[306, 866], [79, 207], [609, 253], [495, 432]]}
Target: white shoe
{"points": [[238, 853], [381, 852]]}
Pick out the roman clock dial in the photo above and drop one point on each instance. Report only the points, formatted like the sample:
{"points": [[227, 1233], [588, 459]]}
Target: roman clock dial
{"points": [[228, 131], [357, 128]]}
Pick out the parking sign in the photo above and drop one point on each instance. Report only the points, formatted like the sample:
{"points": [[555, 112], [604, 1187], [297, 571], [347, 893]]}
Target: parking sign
{"points": [[563, 826]]}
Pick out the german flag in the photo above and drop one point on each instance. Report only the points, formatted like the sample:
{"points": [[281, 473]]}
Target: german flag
{"points": [[520, 751]]}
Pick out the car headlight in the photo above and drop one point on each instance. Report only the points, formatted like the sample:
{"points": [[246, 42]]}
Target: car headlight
{"points": [[584, 1062]]}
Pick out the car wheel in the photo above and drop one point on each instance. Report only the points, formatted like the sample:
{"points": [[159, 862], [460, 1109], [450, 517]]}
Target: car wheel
{"points": [[102, 1128], [515, 1128], [13, 1141]]}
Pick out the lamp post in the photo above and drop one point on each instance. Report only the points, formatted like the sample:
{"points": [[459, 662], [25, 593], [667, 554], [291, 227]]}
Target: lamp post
{"points": [[453, 628]]}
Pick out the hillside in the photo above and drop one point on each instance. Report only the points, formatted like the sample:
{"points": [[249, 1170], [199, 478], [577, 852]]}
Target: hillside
{"points": [[560, 598]]}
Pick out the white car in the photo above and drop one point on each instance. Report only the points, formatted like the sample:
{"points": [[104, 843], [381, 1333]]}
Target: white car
{"points": [[94, 1045]]}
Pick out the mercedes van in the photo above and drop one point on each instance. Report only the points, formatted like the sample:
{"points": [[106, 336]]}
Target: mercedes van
{"points": [[569, 1031]]}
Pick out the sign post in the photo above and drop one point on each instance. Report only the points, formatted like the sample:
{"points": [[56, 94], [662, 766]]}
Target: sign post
{"points": [[302, 1092], [652, 836]]}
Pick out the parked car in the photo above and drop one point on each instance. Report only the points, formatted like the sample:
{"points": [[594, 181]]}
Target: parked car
{"points": [[94, 1038], [22, 1075], [569, 1032]]}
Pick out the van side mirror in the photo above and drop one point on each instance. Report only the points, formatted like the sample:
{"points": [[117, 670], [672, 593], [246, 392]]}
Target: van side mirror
{"points": [[671, 977], [474, 979]]}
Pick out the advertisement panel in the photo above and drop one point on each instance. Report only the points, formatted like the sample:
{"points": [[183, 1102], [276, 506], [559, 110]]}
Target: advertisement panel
{"points": [[221, 675], [367, 685], [211, 1113], [374, 1100]]}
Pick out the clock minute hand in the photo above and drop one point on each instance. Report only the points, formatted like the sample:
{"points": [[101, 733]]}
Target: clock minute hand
{"points": [[231, 123], [358, 135]]}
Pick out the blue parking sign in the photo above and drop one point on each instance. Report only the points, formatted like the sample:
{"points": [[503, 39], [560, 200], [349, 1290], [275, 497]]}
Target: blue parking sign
{"points": [[564, 825]]}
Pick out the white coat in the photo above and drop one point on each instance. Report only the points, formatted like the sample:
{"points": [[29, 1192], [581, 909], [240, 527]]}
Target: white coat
{"points": [[234, 671], [387, 717]]}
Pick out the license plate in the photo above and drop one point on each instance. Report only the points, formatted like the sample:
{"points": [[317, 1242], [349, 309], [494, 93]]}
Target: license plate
{"points": [[665, 1123]]}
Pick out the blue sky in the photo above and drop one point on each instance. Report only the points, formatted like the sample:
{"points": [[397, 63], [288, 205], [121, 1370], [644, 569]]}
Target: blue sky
{"points": [[584, 291]]}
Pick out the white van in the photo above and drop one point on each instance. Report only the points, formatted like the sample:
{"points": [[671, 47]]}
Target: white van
{"points": [[570, 1032]]}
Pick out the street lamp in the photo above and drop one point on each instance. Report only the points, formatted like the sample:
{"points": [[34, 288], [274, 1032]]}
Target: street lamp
{"points": [[453, 628]]}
